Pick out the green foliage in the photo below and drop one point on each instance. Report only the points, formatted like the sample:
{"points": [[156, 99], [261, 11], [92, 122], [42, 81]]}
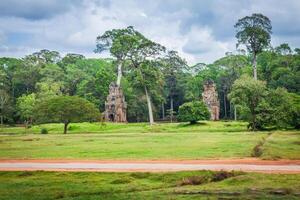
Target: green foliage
{"points": [[44, 131], [283, 49], [65, 109], [168, 80], [25, 107], [249, 93], [193, 112], [254, 31], [267, 108], [276, 110], [6, 108]]}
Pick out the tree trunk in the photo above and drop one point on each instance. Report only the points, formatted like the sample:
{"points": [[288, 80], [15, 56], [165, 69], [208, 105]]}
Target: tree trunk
{"points": [[1, 119], [66, 127], [254, 67], [171, 108], [235, 117], [119, 73], [149, 106], [225, 106], [163, 110], [229, 109]]}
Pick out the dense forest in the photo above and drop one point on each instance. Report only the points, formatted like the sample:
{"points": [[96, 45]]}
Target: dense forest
{"points": [[157, 81], [45, 74]]}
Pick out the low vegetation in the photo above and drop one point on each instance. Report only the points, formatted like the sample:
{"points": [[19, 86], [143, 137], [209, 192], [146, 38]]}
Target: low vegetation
{"points": [[197, 185], [142, 141]]}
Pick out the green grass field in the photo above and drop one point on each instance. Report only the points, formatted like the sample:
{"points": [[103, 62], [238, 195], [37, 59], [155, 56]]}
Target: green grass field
{"points": [[179, 185], [139, 141]]}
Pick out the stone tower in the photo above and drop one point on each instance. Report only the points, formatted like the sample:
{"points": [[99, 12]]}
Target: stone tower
{"points": [[210, 98], [115, 105]]}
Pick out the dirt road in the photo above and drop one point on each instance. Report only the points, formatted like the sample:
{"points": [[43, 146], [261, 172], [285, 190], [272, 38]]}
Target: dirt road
{"points": [[249, 165]]}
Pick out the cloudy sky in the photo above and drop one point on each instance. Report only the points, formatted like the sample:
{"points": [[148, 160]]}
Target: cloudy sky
{"points": [[200, 30]]}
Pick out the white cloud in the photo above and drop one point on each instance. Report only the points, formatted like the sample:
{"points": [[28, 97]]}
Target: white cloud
{"points": [[199, 31]]}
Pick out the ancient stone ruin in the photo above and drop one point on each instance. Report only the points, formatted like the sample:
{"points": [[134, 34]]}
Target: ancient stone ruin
{"points": [[115, 105], [210, 98]]}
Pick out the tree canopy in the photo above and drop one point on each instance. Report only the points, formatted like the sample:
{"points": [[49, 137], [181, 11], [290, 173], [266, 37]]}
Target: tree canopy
{"points": [[65, 109]]}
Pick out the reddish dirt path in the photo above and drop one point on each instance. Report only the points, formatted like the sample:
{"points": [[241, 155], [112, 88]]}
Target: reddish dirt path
{"points": [[250, 161], [249, 165]]}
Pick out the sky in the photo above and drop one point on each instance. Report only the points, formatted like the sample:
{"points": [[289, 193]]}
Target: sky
{"points": [[200, 30]]}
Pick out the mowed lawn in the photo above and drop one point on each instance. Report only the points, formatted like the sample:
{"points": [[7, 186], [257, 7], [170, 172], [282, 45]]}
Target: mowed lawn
{"points": [[139, 141], [176, 185]]}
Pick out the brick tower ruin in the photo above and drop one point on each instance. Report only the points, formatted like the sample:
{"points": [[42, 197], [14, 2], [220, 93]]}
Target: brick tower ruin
{"points": [[115, 105], [210, 98]]}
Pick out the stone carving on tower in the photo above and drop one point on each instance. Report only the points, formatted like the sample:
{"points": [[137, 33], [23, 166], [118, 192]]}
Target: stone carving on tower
{"points": [[115, 105], [210, 98]]}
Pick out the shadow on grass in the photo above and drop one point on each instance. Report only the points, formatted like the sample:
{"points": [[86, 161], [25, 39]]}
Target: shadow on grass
{"points": [[192, 125]]}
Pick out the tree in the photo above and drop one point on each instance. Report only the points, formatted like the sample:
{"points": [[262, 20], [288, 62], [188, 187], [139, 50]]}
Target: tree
{"points": [[25, 107], [193, 112], [140, 53], [249, 93], [283, 49], [255, 32], [119, 43], [276, 110], [5, 106], [173, 65], [65, 109]]}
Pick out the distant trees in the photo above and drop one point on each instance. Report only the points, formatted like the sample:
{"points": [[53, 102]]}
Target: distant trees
{"points": [[173, 69], [65, 109], [154, 81], [249, 93], [25, 106], [267, 108], [5, 106], [193, 112], [255, 32]]}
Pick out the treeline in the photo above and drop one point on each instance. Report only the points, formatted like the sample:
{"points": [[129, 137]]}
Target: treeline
{"points": [[156, 81], [46, 74]]}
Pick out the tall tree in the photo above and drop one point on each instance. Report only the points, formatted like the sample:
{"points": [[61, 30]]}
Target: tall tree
{"points": [[255, 32], [118, 42], [142, 56], [249, 93], [130, 45], [173, 65]]}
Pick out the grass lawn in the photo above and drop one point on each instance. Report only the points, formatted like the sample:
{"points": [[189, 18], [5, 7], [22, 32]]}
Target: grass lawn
{"points": [[179, 185], [139, 141]]}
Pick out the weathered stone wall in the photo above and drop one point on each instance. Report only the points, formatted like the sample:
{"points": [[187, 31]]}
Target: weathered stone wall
{"points": [[115, 105], [210, 98]]}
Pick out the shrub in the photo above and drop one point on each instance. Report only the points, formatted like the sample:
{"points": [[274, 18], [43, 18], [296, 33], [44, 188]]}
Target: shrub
{"points": [[44, 131], [193, 112], [222, 175], [192, 180], [72, 128]]}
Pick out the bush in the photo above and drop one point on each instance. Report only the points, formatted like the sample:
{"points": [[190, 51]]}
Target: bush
{"points": [[192, 180], [44, 131], [193, 112], [222, 175]]}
